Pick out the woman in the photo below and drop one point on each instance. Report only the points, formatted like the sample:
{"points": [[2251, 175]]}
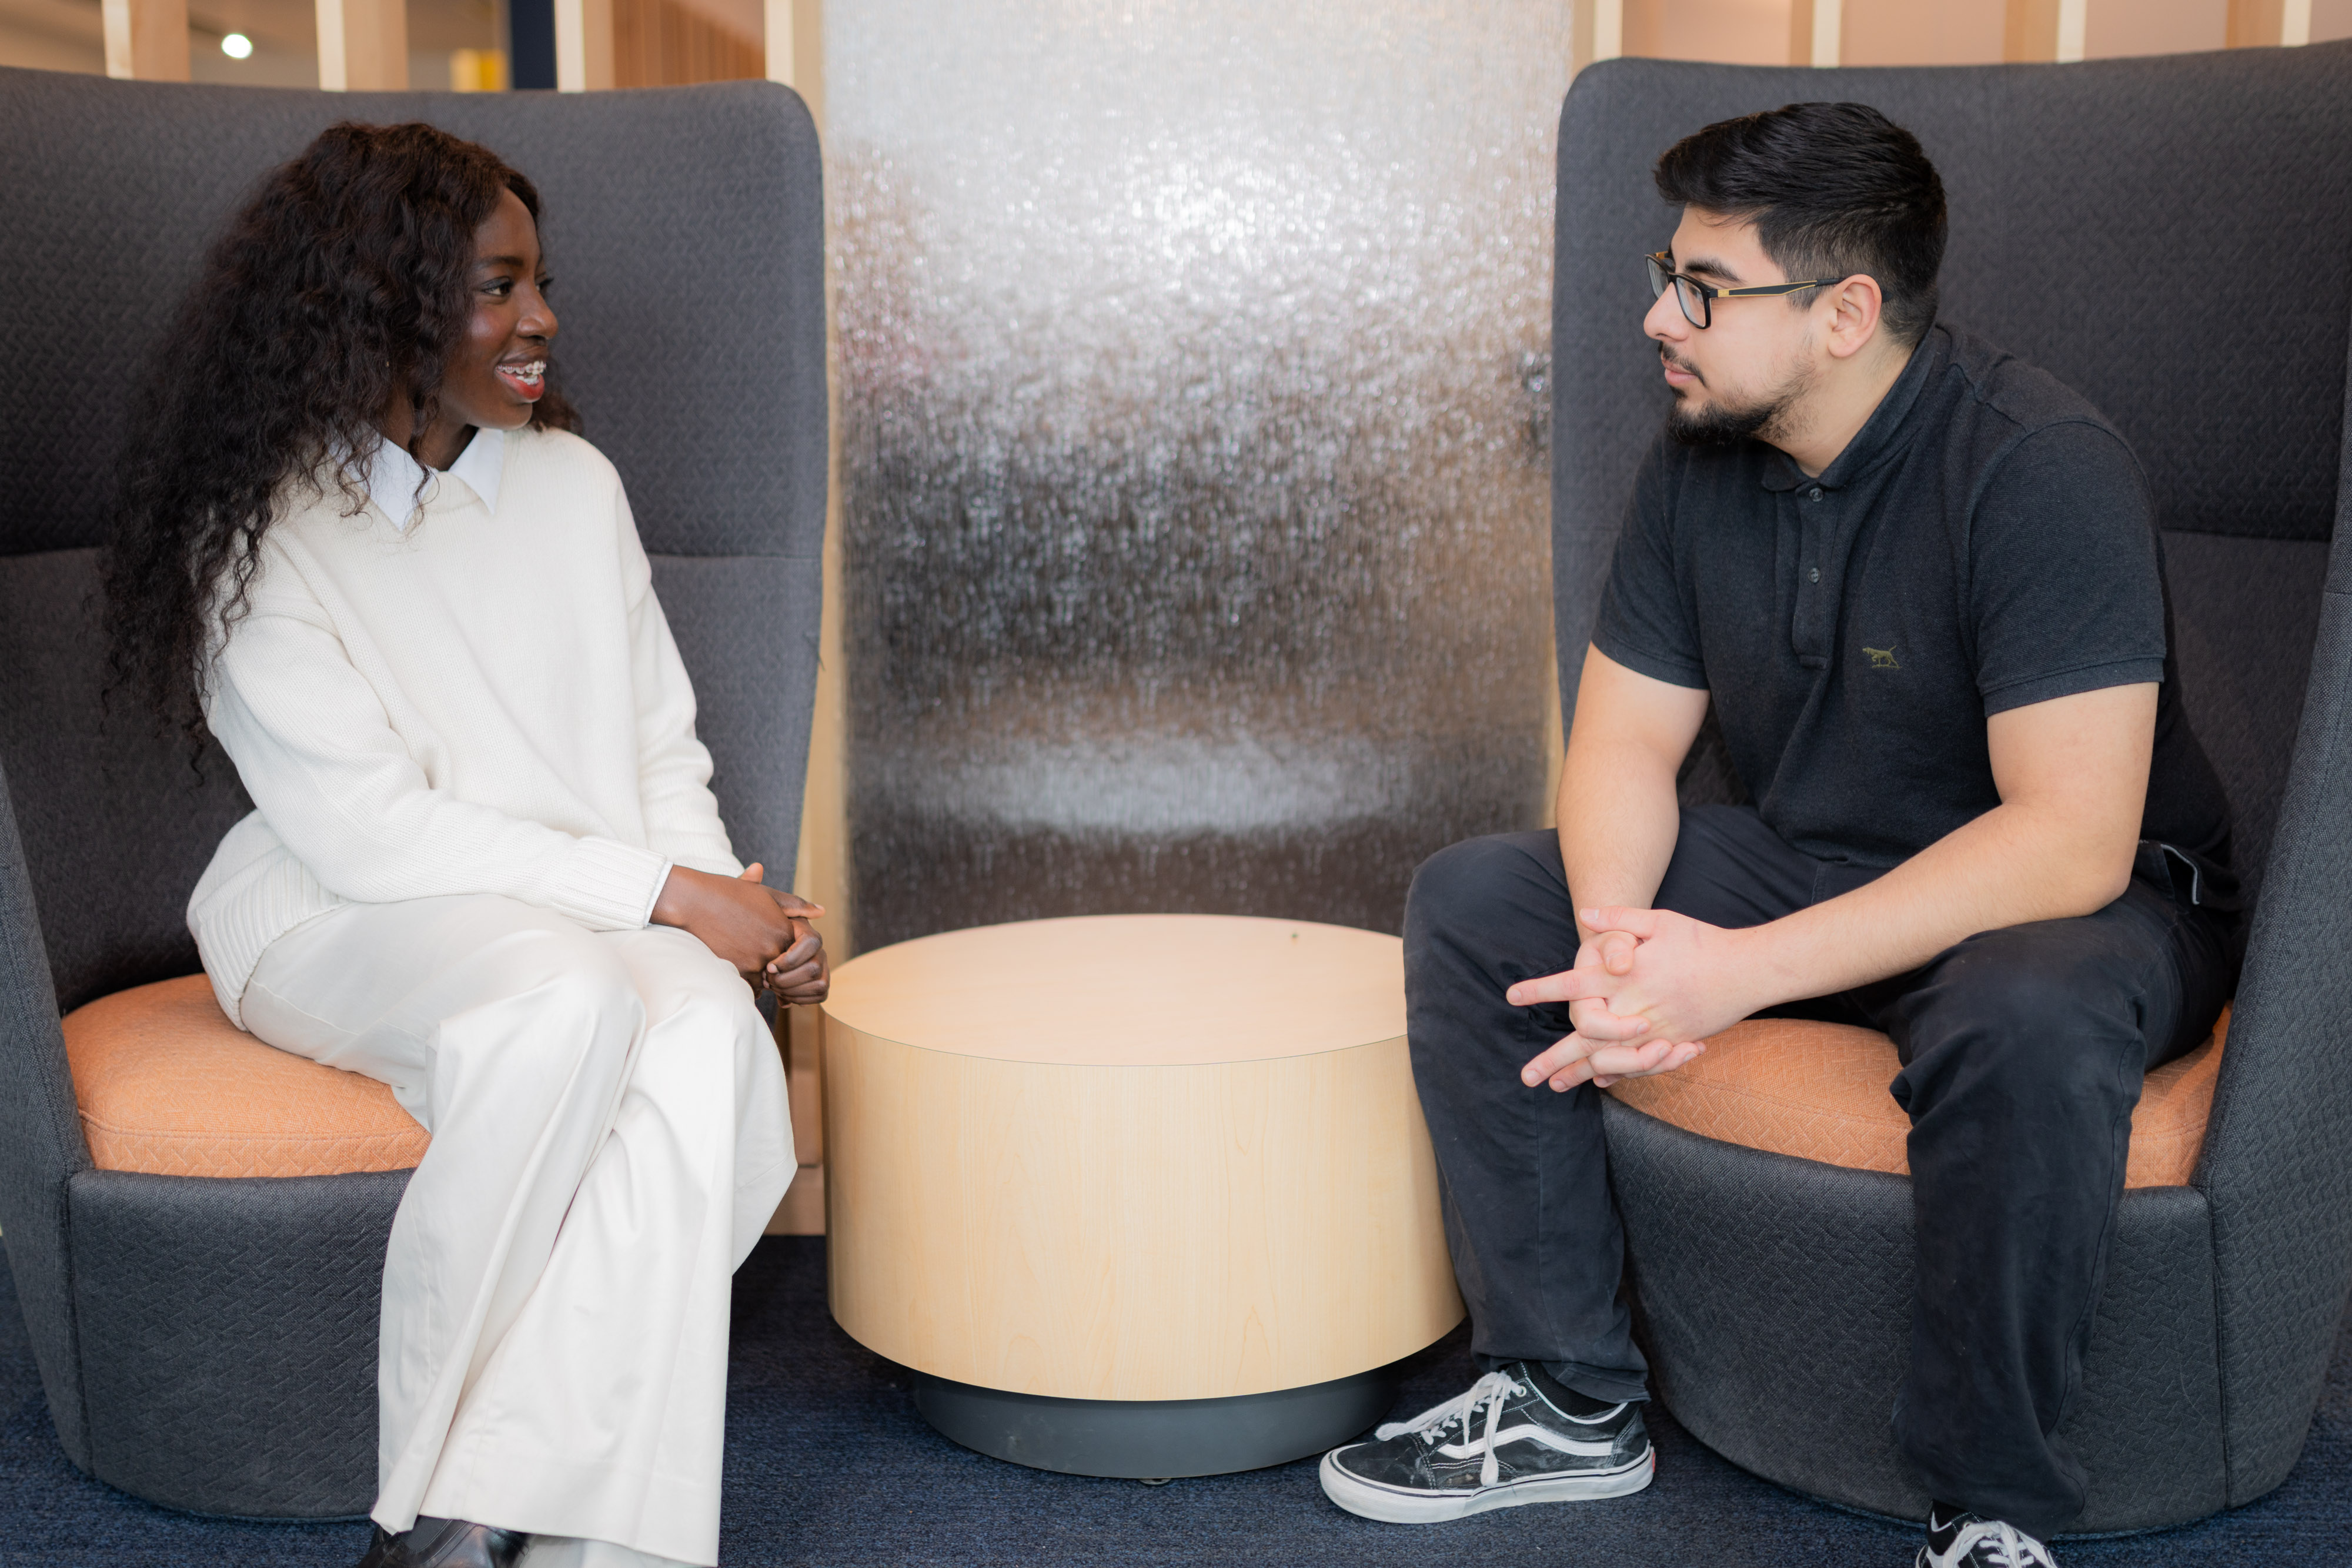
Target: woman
{"points": [[362, 545]]}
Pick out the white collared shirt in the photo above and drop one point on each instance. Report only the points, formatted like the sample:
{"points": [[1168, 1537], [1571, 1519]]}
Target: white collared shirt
{"points": [[392, 476]]}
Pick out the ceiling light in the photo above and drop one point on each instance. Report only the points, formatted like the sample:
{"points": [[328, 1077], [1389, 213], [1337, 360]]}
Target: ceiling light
{"points": [[236, 45]]}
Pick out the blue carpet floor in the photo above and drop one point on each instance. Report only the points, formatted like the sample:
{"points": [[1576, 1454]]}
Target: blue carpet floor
{"points": [[828, 1464]]}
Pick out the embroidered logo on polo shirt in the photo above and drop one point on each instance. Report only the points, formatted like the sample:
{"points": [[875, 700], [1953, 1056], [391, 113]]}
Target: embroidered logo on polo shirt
{"points": [[1882, 658]]}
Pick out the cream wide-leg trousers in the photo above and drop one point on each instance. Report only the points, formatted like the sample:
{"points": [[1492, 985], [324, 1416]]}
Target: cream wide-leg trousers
{"points": [[610, 1137]]}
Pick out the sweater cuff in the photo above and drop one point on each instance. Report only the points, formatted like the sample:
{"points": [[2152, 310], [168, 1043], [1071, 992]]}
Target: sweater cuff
{"points": [[607, 885]]}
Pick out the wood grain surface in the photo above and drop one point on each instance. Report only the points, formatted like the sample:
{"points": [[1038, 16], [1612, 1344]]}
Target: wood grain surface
{"points": [[1123, 989], [1194, 1203]]}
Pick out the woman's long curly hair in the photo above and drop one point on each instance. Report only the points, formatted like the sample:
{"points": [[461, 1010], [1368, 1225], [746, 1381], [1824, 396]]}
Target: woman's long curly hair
{"points": [[342, 285]]}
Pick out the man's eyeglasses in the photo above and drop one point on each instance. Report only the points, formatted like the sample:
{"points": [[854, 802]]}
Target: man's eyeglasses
{"points": [[1697, 299]]}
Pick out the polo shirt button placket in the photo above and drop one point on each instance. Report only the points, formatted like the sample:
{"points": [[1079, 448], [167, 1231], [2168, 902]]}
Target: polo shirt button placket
{"points": [[1811, 630]]}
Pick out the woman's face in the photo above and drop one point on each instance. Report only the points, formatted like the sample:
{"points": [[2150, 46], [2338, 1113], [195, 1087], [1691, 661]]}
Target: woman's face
{"points": [[500, 370]]}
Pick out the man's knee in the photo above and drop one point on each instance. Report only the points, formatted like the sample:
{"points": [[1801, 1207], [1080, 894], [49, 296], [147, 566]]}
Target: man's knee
{"points": [[2028, 1025], [1503, 880]]}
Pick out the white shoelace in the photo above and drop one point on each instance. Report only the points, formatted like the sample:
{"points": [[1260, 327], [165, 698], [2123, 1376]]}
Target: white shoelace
{"points": [[1490, 1391], [2009, 1548]]}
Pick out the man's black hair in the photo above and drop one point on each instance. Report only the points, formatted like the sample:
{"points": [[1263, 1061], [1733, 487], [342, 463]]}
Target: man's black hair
{"points": [[1833, 189]]}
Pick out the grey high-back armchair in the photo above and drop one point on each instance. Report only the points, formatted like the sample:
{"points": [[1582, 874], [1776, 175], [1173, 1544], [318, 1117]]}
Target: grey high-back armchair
{"points": [[2172, 237], [210, 1343]]}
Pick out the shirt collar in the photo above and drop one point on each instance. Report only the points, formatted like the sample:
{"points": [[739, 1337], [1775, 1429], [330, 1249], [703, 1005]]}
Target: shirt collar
{"points": [[392, 476], [1881, 433]]}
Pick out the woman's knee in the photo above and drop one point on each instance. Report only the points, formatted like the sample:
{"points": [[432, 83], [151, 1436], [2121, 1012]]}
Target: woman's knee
{"points": [[709, 1053], [678, 978], [569, 962], [564, 1000]]}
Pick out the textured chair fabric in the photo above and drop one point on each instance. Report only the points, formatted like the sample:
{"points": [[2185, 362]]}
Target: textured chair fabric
{"points": [[2118, 223], [1818, 1091], [685, 230], [1774, 1297], [166, 1084]]}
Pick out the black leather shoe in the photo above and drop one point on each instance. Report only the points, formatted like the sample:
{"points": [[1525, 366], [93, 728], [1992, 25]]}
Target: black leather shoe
{"points": [[444, 1543]]}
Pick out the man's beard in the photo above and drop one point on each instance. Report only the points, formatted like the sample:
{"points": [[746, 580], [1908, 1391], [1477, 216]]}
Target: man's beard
{"points": [[1719, 424]]}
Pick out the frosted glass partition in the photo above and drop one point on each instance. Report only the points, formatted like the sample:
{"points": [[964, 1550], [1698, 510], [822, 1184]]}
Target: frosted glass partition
{"points": [[1195, 482]]}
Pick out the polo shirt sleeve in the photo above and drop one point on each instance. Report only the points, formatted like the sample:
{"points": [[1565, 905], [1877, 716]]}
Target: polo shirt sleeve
{"points": [[1647, 619], [2065, 594]]}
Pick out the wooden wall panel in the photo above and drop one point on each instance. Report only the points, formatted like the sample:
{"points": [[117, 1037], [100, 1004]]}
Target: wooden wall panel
{"points": [[364, 45], [1735, 32], [2260, 24], [1902, 33], [660, 43], [2119, 28], [584, 45], [146, 40], [1816, 32], [1598, 29]]}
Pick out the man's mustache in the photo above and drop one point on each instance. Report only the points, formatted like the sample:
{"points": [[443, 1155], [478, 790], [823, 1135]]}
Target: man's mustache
{"points": [[1682, 365]]}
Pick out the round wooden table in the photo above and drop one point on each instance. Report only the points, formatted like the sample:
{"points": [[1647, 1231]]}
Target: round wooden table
{"points": [[1144, 1195]]}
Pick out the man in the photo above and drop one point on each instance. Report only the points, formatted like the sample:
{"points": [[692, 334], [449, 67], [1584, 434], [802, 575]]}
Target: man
{"points": [[1920, 582]]}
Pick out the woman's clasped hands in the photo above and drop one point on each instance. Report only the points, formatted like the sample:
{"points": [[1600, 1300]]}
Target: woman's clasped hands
{"points": [[763, 930]]}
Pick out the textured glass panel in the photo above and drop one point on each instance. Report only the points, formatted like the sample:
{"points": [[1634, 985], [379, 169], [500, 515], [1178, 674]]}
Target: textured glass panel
{"points": [[1195, 486]]}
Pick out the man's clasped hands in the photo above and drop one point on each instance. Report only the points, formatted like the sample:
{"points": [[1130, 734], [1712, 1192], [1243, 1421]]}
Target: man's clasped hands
{"points": [[1648, 987]]}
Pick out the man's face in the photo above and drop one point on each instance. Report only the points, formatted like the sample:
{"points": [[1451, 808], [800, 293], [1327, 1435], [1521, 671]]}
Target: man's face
{"points": [[1741, 375]]}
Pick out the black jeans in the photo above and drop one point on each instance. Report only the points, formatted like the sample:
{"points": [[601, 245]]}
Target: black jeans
{"points": [[2023, 1054]]}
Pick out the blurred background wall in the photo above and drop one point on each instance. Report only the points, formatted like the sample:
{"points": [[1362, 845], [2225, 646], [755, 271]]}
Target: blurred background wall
{"points": [[464, 46], [490, 45], [1193, 479]]}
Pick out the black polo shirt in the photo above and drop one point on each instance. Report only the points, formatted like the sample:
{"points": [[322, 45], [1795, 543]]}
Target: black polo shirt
{"points": [[1987, 541]]}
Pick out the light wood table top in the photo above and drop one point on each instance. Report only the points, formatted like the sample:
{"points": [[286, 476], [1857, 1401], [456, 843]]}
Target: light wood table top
{"points": [[1130, 990], [1131, 1158]]}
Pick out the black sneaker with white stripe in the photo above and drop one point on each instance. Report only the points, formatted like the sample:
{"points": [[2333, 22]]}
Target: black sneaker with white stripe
{"points": [[1957, 1538], [1500, 1444]]}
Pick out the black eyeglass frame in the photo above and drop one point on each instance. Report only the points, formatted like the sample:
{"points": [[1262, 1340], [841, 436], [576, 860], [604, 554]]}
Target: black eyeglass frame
{"points": [[1663, 276]]}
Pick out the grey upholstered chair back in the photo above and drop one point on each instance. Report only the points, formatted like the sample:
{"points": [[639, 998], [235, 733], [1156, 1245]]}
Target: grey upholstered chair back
{"points": [[2173, 237], [684, 228], [684, 236]]}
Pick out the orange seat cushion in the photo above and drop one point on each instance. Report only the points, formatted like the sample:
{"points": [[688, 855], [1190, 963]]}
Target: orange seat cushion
{"points": [[1818, 1091], [167, 1084]]}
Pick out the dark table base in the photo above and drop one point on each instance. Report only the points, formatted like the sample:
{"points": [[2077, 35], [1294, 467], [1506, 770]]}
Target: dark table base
{"points": [[1153, 1440]]}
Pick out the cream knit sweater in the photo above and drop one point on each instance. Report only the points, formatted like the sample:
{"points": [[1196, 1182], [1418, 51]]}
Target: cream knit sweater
{"points": [[481, 700]]}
